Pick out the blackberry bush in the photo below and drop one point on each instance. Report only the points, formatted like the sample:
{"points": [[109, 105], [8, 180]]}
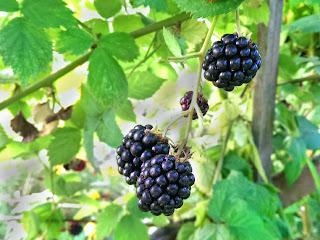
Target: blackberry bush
{"points": [[163, 184], [231, 62], [138, 146], [185, 102]]}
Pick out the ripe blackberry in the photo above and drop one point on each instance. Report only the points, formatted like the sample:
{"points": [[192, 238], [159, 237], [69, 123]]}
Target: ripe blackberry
{"points": [[185, 102], [163, 184], [75, 228], [231, 62], [138, 146]]}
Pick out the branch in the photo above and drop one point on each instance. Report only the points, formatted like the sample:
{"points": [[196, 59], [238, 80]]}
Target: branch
{"points": [[265, 86], [84, 58], [303, 186], [159, 25], [300, 80]]}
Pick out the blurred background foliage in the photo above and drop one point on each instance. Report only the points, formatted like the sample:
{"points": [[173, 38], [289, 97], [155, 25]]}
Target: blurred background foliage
{"points": [[82, 114]]}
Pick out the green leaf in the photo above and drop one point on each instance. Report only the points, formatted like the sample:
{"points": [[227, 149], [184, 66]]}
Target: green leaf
{"points": [[89, 129], [106, 79], [9, 5], [214, 231], [205, 177], [107, 220], [64, 146], [297, 151], [107, 8], [241, 133], [31, 224], [26, 48], [186, 231], [309, 133], [201, 8], [130, 228], [255, 157], [287, 117], [98, 25], [74, 41], [297, 2], [125, 111], [160, 221], [3, 137], [193, 31], [48, 13], [121, 45], [171, 42], [306, 24], [256, 11], [242, 206], [108, 130], [159, 5], [143, 85], [234, 162]]}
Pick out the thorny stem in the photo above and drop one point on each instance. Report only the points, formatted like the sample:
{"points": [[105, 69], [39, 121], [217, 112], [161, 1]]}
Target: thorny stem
{"points": [[195, 92], [223, 150]]}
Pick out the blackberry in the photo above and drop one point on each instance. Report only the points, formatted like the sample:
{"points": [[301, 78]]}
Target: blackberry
{"points": [[163, 184], [75, 228], [138, 146], [231, 62], [185, 102], [75, 165]]}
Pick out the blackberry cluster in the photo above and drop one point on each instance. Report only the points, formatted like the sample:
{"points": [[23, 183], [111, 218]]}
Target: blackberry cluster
{"points": [[163, 184], [138, 146], [231, 62], [185, 102]]}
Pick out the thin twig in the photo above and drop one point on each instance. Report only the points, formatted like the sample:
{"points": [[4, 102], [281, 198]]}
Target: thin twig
{"points": [[144, 60], [300, 80], [223, 150]]}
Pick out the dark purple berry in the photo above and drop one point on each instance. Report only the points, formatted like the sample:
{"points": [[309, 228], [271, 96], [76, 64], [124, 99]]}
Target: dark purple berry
{"points": [[149, 140], [155, 191], [247, 79], [218, 51], [172, 189], [184, 193], [163, 200], [120, 149], [167, 166], [172, 176], [245, 52], [207, 76], [184, 180], [146, 196], [138, 135], [146, 155], [234, 64], [225, 76], [246, 64], [229, 39], [143, 206], [231, 50], [191, 179], [161, 181], [136, 149], [242, 42], [148, 126], [155, 171], [213, 70], [222, 64]]}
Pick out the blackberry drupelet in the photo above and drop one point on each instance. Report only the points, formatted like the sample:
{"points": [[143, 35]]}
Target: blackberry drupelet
{"points": [[185, 102], [231, 62], [163, 184], [138, 146]]}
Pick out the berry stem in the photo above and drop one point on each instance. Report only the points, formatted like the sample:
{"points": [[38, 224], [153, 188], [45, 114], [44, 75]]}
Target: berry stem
{"points": [[183, 58], [237, 19], [195, 92], [223, 150]]}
